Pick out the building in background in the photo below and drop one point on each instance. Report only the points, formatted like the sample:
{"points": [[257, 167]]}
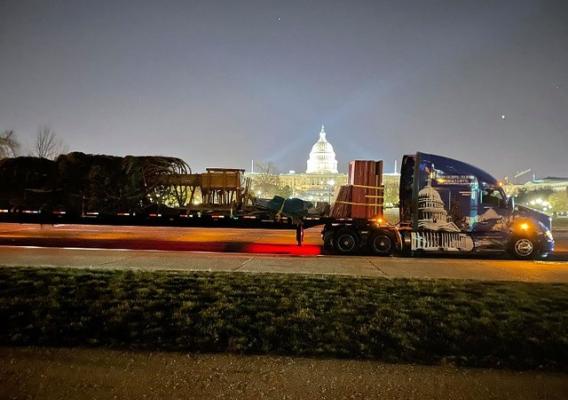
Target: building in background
{"points": [[551, 183], [391, 182], [322, 157], [322, 180], [547, 194]]}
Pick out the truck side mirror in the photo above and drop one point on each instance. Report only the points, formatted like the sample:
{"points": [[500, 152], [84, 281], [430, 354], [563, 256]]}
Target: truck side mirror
{"points": [[511, 202]]}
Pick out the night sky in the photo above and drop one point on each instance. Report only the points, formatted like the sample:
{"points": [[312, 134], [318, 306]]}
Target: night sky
{"points": [[219, 83]]}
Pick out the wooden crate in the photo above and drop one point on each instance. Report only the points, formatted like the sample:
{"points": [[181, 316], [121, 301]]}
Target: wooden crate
{"points": [[367, 194]]}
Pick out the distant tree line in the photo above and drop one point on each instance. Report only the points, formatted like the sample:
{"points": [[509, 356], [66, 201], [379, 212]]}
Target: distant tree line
{"points": [[46, 145], [559, 201], [266, 182], [9, 146]]}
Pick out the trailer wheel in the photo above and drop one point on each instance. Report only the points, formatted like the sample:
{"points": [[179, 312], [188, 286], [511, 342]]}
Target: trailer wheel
{"points": [[523, 248], [327, 237], [346, 242], [381, 244]]}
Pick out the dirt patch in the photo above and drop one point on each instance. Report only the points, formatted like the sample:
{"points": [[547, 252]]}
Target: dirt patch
{"points": [[48, 373]]}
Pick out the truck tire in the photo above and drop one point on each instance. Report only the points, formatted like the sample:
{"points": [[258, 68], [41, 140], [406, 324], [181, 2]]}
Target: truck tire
{"points": [[346, 242], [381, 244], [523, 248], [328, 240], [406, 244]]}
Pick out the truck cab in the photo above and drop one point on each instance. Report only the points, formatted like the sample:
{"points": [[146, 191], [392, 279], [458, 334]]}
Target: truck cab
{"points": [[450, 206], [447, 206]]}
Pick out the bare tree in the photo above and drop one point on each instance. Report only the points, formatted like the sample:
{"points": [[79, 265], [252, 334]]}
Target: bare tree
{"points": [[8, 144], [47, 144], [266, 182]]}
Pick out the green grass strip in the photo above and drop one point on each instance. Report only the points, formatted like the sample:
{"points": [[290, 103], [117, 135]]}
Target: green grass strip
{"points": [[470, 323]]}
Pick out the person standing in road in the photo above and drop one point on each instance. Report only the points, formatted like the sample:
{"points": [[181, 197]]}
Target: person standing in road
{"points": [[299, 232]]}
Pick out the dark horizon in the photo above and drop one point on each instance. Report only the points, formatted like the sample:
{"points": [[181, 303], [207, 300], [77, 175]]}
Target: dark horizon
{"points": [[221, 84]]}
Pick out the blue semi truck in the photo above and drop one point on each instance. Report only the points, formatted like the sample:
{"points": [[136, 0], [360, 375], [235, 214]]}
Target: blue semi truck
{"points": [[447, 206]]}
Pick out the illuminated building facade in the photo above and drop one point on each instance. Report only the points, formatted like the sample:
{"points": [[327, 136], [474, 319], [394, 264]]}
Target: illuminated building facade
{"points": [[322, 180], [322, 157]]}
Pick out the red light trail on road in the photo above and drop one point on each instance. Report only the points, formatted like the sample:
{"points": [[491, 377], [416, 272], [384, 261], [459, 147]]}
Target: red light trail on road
{"points": [[269, 248]]}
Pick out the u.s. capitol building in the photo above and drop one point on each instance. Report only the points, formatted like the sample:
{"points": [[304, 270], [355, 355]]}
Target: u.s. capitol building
{"points": [[322, 178]]}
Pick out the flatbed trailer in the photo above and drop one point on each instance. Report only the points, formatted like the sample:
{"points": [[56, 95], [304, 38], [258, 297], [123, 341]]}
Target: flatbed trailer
{"points": [[181, 219], [446, 206]]}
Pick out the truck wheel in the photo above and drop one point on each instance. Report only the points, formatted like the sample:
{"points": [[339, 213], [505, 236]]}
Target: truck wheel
{"points": [[523, 248], [381, 244], [346, 242], [406, 244], [327, 237]]}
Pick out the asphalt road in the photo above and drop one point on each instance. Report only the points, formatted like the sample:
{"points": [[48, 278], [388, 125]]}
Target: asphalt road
{"points": [[198, 249], [207, 249], [252, 241], [267, 241]]}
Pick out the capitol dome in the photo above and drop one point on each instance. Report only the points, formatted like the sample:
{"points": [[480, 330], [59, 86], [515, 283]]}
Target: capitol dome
{"points": [[430, 205], [429, 198], [432, 214], [322, 157]]}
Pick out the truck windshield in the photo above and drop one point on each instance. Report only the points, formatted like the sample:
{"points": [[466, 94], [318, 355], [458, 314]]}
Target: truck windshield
{"points": [[492, 197]]}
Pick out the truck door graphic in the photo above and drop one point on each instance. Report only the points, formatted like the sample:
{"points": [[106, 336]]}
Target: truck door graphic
{"points": [[446, 204], [436, 229]]}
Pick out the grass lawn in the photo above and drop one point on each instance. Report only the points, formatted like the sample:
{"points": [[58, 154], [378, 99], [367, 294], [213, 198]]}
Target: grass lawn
{"points": [[469, 323]]}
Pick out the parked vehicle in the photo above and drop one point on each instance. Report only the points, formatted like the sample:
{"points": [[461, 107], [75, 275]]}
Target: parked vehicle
{"points": [[447, 206]]}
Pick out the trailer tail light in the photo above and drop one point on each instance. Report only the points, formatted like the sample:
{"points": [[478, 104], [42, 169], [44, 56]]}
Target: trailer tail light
{"points": [[154, 215]]}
